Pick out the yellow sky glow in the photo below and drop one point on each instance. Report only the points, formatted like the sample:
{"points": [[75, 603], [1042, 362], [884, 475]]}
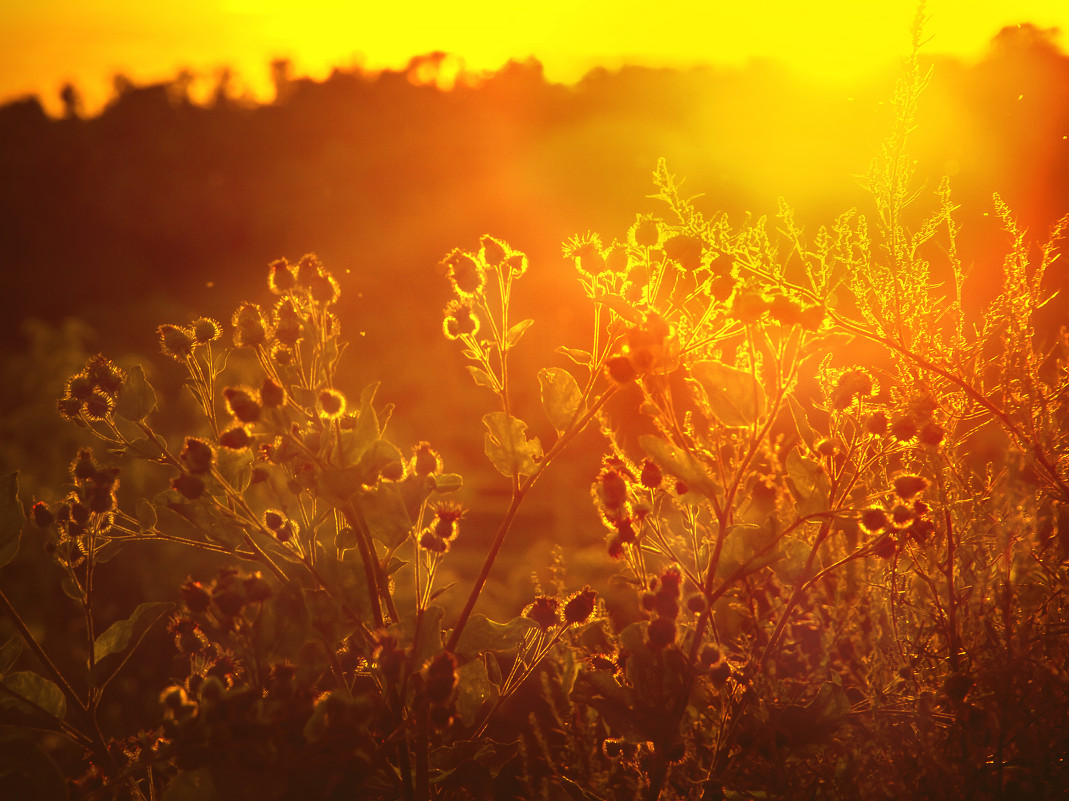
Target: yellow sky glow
{"points": [[49, 42]]}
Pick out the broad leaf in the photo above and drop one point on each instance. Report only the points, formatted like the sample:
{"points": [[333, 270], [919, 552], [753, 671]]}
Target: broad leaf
{"points": [[235, 467], [561, 396], [809, 483], [790, 569], [474, 689], [516, 332], [387, 516], [482, 634], [746, 546], [621, 307], [426, 641], [735, 396], [507, 445], [12, 517], [483, 378], [355, 441], [125, 635], [381, 453], [801, 421], [580, 357], [136, 398], [448, 482], [679, 464], [42, 695]]}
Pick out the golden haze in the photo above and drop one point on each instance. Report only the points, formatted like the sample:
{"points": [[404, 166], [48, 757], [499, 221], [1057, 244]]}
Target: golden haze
{"points": [[50, 42]]}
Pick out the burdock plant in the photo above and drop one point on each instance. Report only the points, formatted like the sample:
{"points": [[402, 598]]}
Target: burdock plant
{"points": [[822, 588]]}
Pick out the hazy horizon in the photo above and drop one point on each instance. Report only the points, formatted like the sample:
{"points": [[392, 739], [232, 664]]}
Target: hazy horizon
{"points": [[54, 42]]}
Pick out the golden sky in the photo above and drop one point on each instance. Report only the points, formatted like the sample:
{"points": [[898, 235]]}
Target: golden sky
{"points": [[48, 42]]}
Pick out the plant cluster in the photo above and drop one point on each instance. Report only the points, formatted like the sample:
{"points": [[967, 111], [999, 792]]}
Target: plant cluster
{"points": [[839, 507]]}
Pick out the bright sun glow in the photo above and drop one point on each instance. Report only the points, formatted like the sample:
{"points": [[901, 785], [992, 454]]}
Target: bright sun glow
{"points": [[44, 44]]}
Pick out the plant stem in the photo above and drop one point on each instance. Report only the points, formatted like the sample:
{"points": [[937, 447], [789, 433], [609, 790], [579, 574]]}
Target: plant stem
{"points": [[39, 652], [367, 555], [519, 491]]}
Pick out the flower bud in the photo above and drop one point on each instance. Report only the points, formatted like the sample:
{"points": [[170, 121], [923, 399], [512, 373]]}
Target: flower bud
{"points": [[324, 289], [241, 404], [785, 311], [646, 232], [620, 369], [426, 461], [271, 394], [249, 329], [543, 611], [79, 386], [175, 341], [660, 633], [876, 423], [874, 519], [195, 597], [98, 406], [308, 268], [280, 277], [429, 541], [197, 455], [236, 438], [492, 251], [104, 375], [903, 429], [188, 486], [42, 515], [465, 273], [906, 486], [748, 307], [686, 250], [651, 475], [580, 606], [206, 330], [932, 434]]}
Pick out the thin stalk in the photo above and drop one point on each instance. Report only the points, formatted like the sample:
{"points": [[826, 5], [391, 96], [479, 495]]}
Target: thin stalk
{"points": [[519, 492], [42, 656]]}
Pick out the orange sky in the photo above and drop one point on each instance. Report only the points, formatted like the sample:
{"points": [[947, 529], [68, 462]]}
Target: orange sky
{"points": [[47, 42]]}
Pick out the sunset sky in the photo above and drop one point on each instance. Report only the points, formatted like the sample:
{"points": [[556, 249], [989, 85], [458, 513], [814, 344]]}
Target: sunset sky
{"points": [[48, 42]]}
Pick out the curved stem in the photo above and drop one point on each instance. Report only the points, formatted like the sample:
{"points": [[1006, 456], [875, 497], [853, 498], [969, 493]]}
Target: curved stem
{"points": [[519, 491]]}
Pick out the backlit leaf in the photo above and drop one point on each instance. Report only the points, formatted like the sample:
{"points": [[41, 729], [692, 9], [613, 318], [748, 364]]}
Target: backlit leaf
{"points": [[41, 694], [482, 378], [561, 396], [474, 689], [679, 464], [516, 332], [126, 634], [387, 516], [482, 634], [735, 396], [809, 483], [507, 445], [580, 357], [448, 482], [355, 441], [136, 398]]}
